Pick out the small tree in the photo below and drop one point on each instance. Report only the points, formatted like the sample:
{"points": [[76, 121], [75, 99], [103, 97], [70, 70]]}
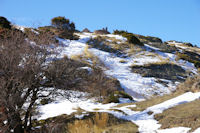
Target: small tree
{"points": [[23, 70]]}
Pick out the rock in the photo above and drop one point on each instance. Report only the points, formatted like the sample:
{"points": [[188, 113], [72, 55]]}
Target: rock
{"points": [[102, 31], [86, 30]]}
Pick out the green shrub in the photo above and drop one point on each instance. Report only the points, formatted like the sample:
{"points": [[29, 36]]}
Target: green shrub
{"points": [[114, 97], [63, 23], [45, 101], [4, 23], [63, 28], [123, 94], [130, 37]]}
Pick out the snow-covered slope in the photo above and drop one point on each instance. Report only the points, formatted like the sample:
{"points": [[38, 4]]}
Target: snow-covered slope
{"points": [[134, 84], [145, 121]]}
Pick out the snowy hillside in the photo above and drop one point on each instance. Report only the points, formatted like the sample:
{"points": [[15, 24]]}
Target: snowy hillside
{"points": [[134, 84], [58, 79]]}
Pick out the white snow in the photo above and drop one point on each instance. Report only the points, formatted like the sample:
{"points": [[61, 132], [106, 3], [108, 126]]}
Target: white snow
{"points": [[146, 122], [118, 37], [68, 107], [20, 27], [197, 130], [175, 130], [134, 84]]}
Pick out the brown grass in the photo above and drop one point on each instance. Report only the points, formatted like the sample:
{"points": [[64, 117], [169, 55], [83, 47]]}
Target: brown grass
{"points": [[87, 55], [101, 123], [191, 84], [185, 115]]}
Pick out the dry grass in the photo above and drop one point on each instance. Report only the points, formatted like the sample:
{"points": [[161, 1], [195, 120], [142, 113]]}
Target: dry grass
{"points": [[191, 84], [88, 56], [123, 61], [101, 123], [161, 59], [161, 62], [185, 115], [134, 49]]}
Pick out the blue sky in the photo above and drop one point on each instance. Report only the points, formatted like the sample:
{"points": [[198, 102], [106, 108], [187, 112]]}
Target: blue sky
{"points": [[168, 19]]}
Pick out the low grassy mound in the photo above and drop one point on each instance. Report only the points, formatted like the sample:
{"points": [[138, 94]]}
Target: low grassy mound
{"points": [[185, 115], [131, 38], [161, 70], [90, 123], [189, 56]]}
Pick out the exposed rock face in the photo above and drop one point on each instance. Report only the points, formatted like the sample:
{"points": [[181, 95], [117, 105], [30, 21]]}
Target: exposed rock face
{"points": [[148, 39], [164, 71]]}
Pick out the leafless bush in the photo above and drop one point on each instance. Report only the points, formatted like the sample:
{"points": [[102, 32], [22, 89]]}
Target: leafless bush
{"points": [[41, 37], [22, 77]]}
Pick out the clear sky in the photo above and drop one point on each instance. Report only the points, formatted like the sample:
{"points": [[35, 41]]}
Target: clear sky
{"points": [[168, 19]]}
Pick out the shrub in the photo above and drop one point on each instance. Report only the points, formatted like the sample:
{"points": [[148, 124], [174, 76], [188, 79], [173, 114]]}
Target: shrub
{"points": [[123, 94], [114, 97], [63, 28], [4, 23], [130, 37], [45, 101], [62, 23]]}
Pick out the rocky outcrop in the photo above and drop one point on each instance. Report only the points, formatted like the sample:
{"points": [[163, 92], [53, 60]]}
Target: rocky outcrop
{"points": [[86, 30], [102, 31]]}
